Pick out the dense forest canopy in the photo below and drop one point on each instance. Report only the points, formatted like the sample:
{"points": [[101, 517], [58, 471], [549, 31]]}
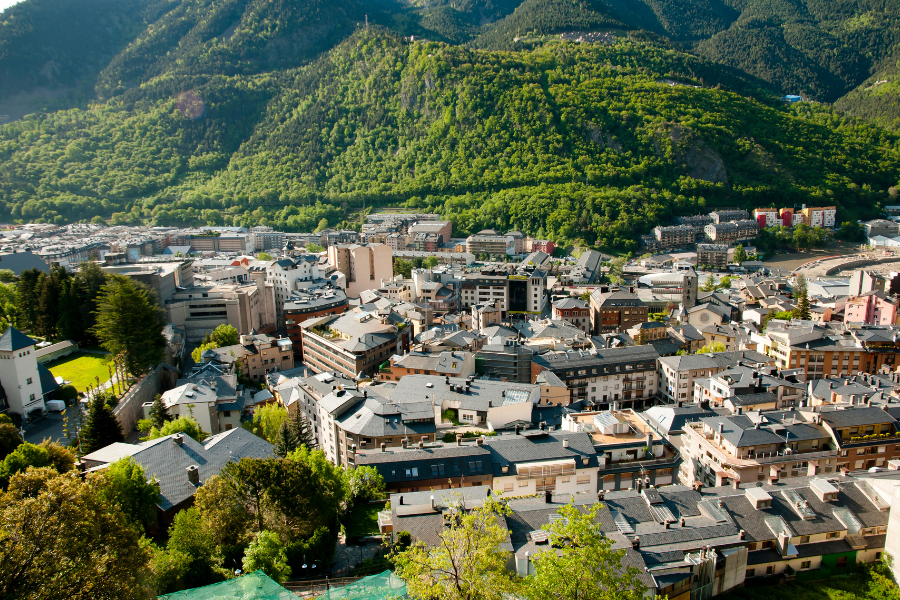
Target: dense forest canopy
{"points": [[293, 114]]}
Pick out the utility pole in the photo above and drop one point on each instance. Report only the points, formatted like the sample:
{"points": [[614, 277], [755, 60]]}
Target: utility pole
{"points": [[367, 22]]}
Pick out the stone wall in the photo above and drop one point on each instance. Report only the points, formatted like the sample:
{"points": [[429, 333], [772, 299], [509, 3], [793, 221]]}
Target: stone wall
{"points": [[129, 409]]}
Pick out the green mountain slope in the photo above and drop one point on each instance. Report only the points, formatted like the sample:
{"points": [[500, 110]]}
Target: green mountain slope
{"points": [[55, 43], [878, 98], [565, 141]]}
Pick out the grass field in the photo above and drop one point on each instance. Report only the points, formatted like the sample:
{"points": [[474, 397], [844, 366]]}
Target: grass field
{"points": [[363, 520], [81, 369]]}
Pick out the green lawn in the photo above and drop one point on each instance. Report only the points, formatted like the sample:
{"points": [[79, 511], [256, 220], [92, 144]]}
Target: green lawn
{"points": [[869, 583], [363, 520], [81, 369]]}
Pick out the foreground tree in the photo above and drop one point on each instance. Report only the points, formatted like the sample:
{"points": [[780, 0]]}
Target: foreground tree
{"points": [[586, 568], [124, 484], [159, 414], [467, 563], [130, 321], [61, 541], [267, 421], [801, 296], [295, 431], [185, 425], [267, 553], [225, 335]]}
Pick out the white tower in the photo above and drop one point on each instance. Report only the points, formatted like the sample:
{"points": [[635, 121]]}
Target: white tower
{"points": [[19, 373]]}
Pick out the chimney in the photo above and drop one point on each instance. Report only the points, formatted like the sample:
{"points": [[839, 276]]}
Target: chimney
{"points": [[682, 521], [383, 446], [405, 443], [401, 500], [600, 495], [479, 441], [517, 430], [542, 424], [178, 439], [566, 443], [193, 473], [636, 543], [721, 427], [667, 524], [736, 484], [459, 438], [432, 502], [421, 443], [742, 534]]}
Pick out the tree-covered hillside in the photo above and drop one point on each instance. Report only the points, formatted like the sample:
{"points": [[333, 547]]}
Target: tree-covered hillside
{"points": [[564, 141]]}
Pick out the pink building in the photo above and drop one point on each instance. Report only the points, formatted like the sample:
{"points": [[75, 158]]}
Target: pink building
{"points": [[873, 308], [543, 246]]}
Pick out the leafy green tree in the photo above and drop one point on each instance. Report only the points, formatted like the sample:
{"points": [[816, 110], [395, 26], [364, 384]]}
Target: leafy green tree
{"points": [[64, 541], [125, 485], [264, 256], [403, 267], [266, 552], [267, 420], [785, 315], [580, 563], [101, 428], [193, 543], [7, 276], [184, 424], [364, 483], [62, 458], [197, 353], [129, 321], [9, 439], [430, 262], [466, 563], [740, 255], [25, 455], [314, 248], [713, 347], [225, 335]]}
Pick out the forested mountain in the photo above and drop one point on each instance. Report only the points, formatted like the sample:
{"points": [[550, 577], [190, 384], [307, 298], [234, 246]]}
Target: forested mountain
{"points": [[565, 141]]}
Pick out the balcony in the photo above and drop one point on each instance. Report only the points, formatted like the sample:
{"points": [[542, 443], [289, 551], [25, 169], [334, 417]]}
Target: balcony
{"points": [[545, 488], [727, 459], [549, 469]]}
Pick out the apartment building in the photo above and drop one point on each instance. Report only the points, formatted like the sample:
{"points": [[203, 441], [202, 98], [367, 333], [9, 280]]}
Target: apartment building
{"points": [[505, 359], [725, 216], [616, 311], [714, 255], [442, 229], [264, 238], [309, 303], [200, 309], [819, 351], [573, 311], [356, 342], [543, 246], [431, 467], [732, 232], [490, 242], [823, 216], [767, 217], [452, 364], [625, 376], [675, 236], [872, 308], [255, 355], [698, 222], [629, 451], [521, 292], [756, 446], [215, 402], [364, 267], [866, 436], [677, 374]]}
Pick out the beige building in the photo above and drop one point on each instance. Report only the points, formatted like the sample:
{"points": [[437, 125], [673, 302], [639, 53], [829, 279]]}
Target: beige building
{"points": [[365, 267], [201, 309]]}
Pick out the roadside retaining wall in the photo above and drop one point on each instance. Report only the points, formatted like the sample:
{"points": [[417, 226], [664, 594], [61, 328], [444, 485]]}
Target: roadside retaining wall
{"points": [[128, 411]]}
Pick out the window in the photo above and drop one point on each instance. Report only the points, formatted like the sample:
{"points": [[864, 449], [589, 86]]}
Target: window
{"points": [[28, 381], [507, 487], [841, 562], [523, 484], [804, 539], [564, 479], [227, 427], [878, 556], [770, 569], [805, 564], [750, 573], [583, 479], [831, 535], [415, 472], [31, 397]]}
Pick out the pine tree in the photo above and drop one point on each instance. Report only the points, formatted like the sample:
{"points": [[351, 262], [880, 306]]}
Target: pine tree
{"points": [[130, 321], [302, 429], [285, 442], [801, 295], [101, 428], [159, 414]]}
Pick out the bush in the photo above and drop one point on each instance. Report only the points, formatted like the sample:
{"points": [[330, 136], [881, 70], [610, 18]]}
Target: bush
{"points": [[67, 393]]}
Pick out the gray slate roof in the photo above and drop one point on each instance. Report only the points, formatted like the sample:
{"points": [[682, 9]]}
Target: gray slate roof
{"points": [[13, 339]]}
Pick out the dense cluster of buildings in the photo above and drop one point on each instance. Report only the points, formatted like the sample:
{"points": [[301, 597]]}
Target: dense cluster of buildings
{"points": [[724, 444]]}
